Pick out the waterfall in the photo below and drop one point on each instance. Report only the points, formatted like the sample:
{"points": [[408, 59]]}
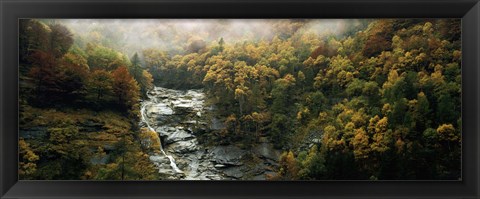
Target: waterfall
{"points": [[145, 120]]}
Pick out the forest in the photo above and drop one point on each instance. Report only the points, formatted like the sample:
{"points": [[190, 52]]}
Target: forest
{"points": [[356, 99]]}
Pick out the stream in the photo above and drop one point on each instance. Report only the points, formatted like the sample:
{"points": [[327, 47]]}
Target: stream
{"points": [[177, 116]]}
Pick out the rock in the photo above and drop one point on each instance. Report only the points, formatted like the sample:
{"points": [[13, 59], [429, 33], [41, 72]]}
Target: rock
{"points": [[183, 146], [191, 122], [228, 155], [159, 159], [181, 110], [216, 124], [220, 166], [160, 109], [272, 163], [175, 136], [259, 177], [258, 169], [266, 151], [234, 172], [213, 177]]}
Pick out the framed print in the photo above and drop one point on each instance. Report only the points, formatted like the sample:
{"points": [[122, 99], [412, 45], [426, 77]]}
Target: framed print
{"points": [[159, 99]]}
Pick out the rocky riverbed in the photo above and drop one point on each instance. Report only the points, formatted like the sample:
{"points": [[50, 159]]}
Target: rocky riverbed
{"points": [[177, 117]]}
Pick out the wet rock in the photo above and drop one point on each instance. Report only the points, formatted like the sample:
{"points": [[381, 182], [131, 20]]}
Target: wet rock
{"points": [[228, 155], [159, 109], [182, 110]]}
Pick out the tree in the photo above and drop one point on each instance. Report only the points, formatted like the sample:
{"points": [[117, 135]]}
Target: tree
{"points": [[100, 57], [361, 144], [282, 94], [100, 84], [27, 160], [33, 36], [135, 69], [446, 132], [126, 89], [312, 166], [155, 60], [288, 166], [61, 39], [46, 77], [381, 135], [143, 77], [75, 71], [379, 38]]}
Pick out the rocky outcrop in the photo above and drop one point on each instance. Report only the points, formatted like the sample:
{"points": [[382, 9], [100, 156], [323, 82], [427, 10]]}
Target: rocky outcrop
{"points": [[227, 155], [266, 151]]}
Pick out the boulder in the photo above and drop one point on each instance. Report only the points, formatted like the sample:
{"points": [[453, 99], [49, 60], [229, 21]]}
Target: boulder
{"points": [[175, 136], [227, 155], [234, 172], [182, 147], [159, 159]]}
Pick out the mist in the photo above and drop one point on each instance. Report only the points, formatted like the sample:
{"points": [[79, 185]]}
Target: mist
{"points": [[174, 35]]}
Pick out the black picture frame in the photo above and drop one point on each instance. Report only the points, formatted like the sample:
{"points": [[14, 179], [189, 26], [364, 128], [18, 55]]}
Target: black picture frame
{"points": [[11, 11]]}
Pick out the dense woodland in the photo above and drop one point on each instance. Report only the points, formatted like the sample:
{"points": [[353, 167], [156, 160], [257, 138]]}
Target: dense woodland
{"points": [[380, 101]]}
